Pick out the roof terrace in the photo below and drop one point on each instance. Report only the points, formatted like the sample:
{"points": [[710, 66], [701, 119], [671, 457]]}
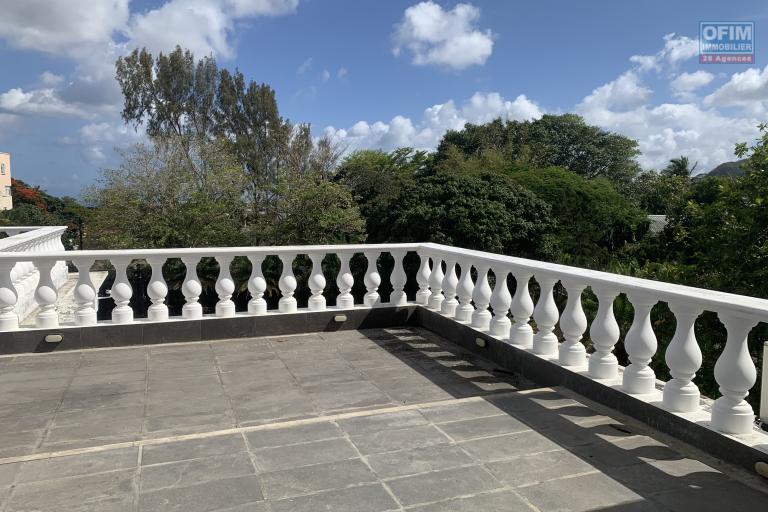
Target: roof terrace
{"points": [[441, 403]]}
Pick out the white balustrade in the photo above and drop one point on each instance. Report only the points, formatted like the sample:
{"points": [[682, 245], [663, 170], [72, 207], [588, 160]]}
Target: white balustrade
{"points": [[640, 344], [121, 292], [372, 280], [257, 285], [225, 287], [9, 320], [316, 283], [287, 303], [604, 333], [85, 293], [464, 291], [398, 279], [422, 278], [157, 290], [573, 323], [683, 357], [450, 282], [436, 285], [500, 302], [481, 296], [345, 280], [191, 288], [521, 333], [545, 314]]}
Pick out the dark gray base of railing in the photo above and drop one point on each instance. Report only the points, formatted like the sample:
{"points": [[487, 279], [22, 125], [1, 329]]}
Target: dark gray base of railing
{"points": [[205, 329], [546, 373]]}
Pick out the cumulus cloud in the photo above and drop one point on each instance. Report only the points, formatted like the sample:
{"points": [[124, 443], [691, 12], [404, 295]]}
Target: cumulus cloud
{"points": [[685, 83], [626, 91], [446, 38], [676, 49], [342, 72], [97, 139], [435, 121], [748, 89], [38, 102]]}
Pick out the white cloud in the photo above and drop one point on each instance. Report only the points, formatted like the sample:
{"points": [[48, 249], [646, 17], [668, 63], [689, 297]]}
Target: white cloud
{"points": [[446, 38], [748, 89], [305, 66], [250, 8], [625, 92], [685, 83], [38, 102], [51, 79], [325, 75], [676, 49], [99, 139], [436, 120], [342, 72]]}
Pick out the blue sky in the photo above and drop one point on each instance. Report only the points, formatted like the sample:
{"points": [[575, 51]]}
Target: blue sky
{"points": [[379, 74]]}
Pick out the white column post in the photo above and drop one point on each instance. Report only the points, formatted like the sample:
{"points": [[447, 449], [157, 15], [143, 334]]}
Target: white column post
{"points": [[450, 282], [464, 291], [191, 289], [157, 290], [735, 373], [85, 293], [521, 333], [287, 303], [317, 282], [683, 357], [398, 279], [501, 299], [604, 333], [573, 323], [257, 285], [46, 296], [372, 280], [545, 314], [121, 292], [481, 317], [640, 343], [345, 281], [9, 320], [225, 287], [436, 284], [422, 277]]}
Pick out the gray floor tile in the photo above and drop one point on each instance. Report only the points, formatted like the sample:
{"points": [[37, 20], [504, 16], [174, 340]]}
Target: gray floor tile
{"points": [[208, 496], [508, 446], [192, 449], [442, 485], [495, 502], [292, 456], [191, 472], [530, 469], [418, 460], [377, 422], [583, 493], [292, 435], [400, 439], [76, 465], [367, 498], [309, 479], [461, 411], [483, 427], [107, 491]]}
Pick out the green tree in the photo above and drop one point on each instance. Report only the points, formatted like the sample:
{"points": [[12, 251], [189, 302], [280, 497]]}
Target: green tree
{"points": [[484, 212], [160, 197], [552, 141], [679, 167]]}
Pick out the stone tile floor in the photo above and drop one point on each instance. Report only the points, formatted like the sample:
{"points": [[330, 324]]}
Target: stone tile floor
{"points": [[357, 421]]}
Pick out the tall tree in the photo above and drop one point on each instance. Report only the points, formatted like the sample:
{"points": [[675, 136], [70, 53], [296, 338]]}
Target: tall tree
{"points": [[679, 167]]}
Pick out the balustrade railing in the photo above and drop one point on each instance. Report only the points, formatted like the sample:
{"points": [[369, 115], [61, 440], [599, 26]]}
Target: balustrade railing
{"points": [[446, 286]]}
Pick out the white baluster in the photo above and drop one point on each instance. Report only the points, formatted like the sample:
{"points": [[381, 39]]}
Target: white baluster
{"points": [[398, 279], [500, 302], [545, 314], [464, 291], [372, 280], [573, 323], [521, 333], [604, 333], [9, 320], [683, 357], [121, 292], [422, 277], [287, 303], [191, 289], [436, 284], [46, 296], [735, 373], [85, 293], [345, 281], [640, 344], [481, 317], [225, 287], [157, 290], [450, 282], [317, 282], [257, 285]]}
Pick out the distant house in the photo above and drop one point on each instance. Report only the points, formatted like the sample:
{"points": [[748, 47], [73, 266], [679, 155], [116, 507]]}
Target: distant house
{"points": [[5, 181], [658, 223]]}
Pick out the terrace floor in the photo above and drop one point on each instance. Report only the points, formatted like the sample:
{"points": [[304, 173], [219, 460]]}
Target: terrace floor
{"points": [[356, 421]]}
